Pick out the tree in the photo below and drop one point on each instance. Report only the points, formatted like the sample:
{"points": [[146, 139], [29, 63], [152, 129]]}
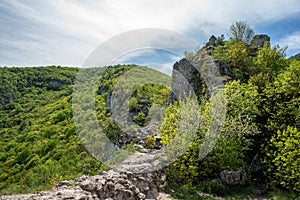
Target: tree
{"points": [[270, 60], [241, 31], [282, 99], [234, 55]]}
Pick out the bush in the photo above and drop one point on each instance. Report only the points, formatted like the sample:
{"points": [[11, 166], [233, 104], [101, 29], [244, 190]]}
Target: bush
{"points": [[150, 142], [284, 154], [214, 186]]}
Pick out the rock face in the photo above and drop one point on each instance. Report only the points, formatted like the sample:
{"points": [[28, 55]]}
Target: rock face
{"points": [[198, 76], [234, 177], [259, 40], [213, 41], [186, 80]]}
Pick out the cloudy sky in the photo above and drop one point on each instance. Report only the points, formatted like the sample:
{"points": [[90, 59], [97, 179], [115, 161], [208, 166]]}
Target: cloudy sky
{"points": [[65, 32]]}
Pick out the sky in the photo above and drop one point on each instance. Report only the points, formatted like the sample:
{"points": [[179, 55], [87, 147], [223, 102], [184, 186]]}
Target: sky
{"points": [[66, 32]]}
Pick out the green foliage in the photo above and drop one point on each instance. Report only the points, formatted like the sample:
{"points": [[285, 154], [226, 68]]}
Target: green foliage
{"points": [[39, 145], [139, 118], [270, 60], [230, 153], [235, 56], [143, 98], [282, 99], [190, 192], [260, 80], [243, 99], [133, 104], [170, 124], [150, 142], [214, 186], [284, 154], [231, 149]]}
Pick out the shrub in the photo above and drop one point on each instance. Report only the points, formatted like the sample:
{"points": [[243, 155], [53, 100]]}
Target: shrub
{"points": [[284, 154], [150, 142]]}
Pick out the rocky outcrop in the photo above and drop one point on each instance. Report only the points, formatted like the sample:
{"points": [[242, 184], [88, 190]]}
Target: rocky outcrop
{"points": [[186, 80], [199, 76], [259, 40], [134, 179], [119, 185], [212, 42], [234, 177], [112, 186], [108, 185]]}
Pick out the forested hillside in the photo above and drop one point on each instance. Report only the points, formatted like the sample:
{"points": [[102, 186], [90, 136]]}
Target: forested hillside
{"points": [[39, 142], [39, 145]]}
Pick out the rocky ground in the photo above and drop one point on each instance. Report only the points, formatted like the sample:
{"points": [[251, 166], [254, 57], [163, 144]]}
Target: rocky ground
{"points": [[131, 180]]}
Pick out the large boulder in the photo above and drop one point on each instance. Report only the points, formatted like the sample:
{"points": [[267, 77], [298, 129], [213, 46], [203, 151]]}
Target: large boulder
{"points": [[198, 76], [186, 80], [234, 177], [259, 40], [214, 41]]}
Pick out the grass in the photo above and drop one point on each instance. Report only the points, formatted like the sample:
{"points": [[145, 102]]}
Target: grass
{"points": [[190, 192]]}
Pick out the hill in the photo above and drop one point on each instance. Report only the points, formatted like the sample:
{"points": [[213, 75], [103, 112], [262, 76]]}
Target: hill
{"points": [[39, 142], [255, 147]]}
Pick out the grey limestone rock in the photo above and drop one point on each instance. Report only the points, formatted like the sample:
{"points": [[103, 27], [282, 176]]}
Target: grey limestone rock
{"points": [[234, 177]]}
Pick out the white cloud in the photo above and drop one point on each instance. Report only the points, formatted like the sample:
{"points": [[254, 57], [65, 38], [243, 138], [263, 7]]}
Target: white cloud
{"points": [[165, 68], [292, 41], [104, 19], [75, 28], [149, 56]]}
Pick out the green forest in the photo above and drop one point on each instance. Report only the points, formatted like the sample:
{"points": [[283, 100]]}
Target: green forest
{"points": [[39, 145]]}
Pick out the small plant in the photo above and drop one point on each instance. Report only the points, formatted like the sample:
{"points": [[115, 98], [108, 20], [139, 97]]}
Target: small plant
{"points": [[214, 186], [55, 179], [140, 118], [150, 142]]}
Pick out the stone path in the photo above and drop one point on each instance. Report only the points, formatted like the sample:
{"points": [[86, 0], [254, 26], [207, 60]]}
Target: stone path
{"points": [[133, 179]]}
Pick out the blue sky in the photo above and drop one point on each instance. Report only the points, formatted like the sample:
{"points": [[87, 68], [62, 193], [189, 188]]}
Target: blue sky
{"points": [[65, 32]]}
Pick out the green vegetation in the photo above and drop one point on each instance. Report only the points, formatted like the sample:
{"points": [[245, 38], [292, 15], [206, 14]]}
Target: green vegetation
{"points": [[261, 126], [144, 98], [285, 158], [39, 142], [39, 145]]}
